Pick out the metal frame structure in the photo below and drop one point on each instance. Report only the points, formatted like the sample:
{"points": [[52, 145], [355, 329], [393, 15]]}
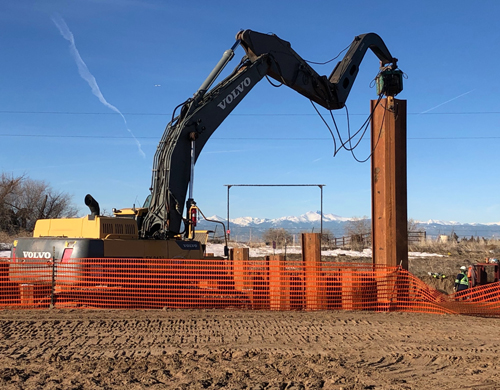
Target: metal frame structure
{"points": [[273, 185]]}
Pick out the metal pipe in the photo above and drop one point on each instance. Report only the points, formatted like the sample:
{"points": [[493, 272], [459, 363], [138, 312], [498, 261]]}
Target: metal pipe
{"points": [[228, 228], [191, 181], [52, 288], [226, 57], [321, 231]]}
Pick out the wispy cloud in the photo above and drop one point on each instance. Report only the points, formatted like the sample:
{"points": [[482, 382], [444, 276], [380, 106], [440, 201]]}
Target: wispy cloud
{"points": [[442, 104], [86, 75]]}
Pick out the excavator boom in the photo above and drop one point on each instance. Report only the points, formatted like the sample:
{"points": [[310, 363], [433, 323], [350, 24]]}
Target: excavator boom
{"points": [[201, 115], [198, 120]]}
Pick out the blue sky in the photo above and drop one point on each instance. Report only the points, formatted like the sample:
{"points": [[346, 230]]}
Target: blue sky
{"points": [[149, 56]]}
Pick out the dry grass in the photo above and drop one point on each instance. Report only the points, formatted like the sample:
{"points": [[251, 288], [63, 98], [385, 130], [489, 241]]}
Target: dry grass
{"points": [[453, 256], [477, 250]]}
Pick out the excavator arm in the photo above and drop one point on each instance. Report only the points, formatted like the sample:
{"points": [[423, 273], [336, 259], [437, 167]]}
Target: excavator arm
{"points": [[290, 69], [199, 117]]}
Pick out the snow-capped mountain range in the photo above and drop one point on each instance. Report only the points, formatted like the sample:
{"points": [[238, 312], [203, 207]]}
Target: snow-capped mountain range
{"points": [[244, 227], [308, 217]]}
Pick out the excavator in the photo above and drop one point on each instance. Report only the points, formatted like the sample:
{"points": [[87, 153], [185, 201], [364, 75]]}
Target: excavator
{"points": [[159, 230]]}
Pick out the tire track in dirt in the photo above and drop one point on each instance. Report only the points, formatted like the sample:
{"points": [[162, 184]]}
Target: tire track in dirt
{"points": [[231, 349]]}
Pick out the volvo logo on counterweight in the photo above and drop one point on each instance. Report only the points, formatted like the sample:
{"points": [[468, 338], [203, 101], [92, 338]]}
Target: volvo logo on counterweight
{"points": [[234, 93], [37, 255], [189, 245]]}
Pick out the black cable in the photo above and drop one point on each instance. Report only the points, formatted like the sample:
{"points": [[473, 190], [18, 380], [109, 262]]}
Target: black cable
{"points": [[175, 109], [276, 63], [376, 144], [324, 63], [363, 126], [328, 127], [274, 85], [350, 137]]}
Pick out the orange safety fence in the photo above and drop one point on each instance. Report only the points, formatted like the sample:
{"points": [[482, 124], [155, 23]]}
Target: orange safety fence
{"points": [[271, 284]]}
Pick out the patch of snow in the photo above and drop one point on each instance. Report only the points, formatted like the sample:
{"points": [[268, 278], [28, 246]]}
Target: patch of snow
{"points": [[423, 254], [218, 250], [4, 246]]}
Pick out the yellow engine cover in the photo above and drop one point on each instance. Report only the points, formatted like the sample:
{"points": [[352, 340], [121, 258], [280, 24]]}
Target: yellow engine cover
{"points": [[99, 227]]}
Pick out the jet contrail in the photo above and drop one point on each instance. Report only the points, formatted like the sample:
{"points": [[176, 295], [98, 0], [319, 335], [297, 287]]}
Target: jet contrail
{"points": [[85, 73], [456, 97]]}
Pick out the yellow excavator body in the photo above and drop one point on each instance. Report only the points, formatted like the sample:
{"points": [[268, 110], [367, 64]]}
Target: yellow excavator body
{"points": [[111, 237]]}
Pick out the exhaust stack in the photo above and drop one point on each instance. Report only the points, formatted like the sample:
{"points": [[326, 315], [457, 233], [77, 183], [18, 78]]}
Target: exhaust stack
{"points": [[92, 205]]}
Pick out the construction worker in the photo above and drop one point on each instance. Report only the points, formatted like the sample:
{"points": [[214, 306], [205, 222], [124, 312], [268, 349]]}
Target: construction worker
{"points": [[462, 281]]}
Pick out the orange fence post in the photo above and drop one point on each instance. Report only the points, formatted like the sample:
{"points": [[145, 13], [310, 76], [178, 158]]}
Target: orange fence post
{"points": [[240, 268], [315, 289], [358, 289], [351, 290], [279, 284], [386, 289], [27, 295]]}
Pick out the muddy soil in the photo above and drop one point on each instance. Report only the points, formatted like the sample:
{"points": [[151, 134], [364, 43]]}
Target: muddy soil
{"points": [[215, 349]]}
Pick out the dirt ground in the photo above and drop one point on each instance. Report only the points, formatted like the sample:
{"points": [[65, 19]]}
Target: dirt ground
{"points": [[213, 349]]}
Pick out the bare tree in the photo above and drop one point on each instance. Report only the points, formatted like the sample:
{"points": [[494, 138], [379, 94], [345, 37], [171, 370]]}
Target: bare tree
{"points": [[413, 226], [328, 238], [9, 189], [357, 229], [358, 226], [279, 235], [27, 200]]}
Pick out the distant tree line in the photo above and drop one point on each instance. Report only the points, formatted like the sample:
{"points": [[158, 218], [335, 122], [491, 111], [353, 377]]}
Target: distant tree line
{"points": [[282, 237], [279, 236], [24, 200], [356, 230]]}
